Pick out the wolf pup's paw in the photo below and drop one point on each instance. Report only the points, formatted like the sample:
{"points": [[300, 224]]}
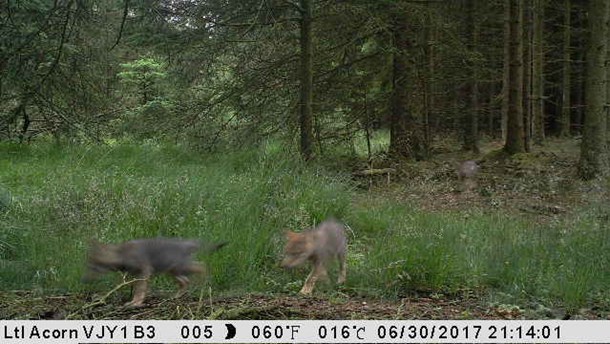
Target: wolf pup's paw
{"points": [[305, 291], [134, 304], [179, 294]]}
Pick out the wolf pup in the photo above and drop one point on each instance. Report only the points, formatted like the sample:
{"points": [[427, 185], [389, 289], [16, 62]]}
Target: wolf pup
{"points": [[319, 245], [144, 257], [467, 172]]}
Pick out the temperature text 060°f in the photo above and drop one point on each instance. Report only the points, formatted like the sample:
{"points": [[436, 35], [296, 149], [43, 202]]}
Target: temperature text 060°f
{"points": [[287, 332]]}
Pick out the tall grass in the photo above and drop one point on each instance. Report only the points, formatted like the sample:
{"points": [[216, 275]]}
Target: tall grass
{"points": [[64, 196], [413, 251]]}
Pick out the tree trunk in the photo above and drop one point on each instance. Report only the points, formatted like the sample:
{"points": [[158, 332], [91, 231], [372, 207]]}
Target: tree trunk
{"points": [[566, 105], [579, 106], [367, 130], [471, 120], [404, 141], [429, 84], [514, 133], [607, 104], [505, 70], [528, 38], [21, 109], [491, 113], [306, 96], [593, 154], [538, 74]]}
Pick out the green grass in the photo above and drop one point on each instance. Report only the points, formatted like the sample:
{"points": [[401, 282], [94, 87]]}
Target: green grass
{"points": [[61, 197]]}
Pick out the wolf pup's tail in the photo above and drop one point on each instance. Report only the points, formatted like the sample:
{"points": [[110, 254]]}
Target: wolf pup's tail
{"points": [[209, 248]]}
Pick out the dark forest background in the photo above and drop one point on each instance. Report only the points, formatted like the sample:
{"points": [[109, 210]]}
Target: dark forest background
{"points": [[216, 74]]}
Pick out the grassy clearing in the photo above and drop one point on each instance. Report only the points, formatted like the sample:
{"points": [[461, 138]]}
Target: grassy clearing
{"points": [[64, 196], [565, 262]]}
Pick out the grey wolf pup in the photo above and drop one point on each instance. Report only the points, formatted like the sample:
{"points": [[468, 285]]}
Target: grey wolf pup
{"points": [[320, 245], [144, 257], [467, 172]]}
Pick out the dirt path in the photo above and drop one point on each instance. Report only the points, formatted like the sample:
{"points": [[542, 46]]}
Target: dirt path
{"points": [[24, 305]]}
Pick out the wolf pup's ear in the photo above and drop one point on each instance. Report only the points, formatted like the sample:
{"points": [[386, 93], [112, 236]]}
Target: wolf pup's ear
{"points": [[94, 243]]}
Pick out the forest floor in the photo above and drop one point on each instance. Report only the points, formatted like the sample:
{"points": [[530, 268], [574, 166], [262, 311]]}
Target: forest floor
{"points": [[26, 305], [541, 185]]}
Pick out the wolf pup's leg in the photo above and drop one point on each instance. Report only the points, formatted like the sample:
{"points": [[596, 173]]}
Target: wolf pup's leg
{"points": [[317, 271], [140, 290], [183, 279], [342, 268], [139, 294], [183, 282]]}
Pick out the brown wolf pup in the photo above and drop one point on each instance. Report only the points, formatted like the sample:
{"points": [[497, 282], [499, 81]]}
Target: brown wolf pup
{"points": [[467, 172], [319, 245], [144, 257]]}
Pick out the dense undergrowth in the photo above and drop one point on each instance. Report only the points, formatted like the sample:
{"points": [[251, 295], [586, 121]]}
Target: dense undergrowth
{"points": [[61, 197]]}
